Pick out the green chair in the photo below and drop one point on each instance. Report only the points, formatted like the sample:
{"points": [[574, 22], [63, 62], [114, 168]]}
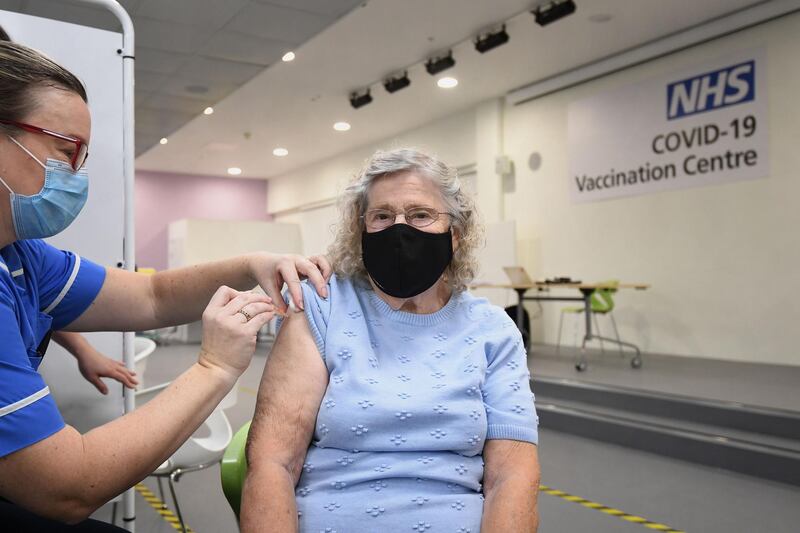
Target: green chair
{"points": [[233, 469], [602, 303]]}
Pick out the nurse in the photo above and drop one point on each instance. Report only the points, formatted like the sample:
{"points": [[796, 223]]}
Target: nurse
{"points": [[47, 468]]}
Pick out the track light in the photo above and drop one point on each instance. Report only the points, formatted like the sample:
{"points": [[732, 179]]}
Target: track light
{"points": [[435, 65], [399, 82], [552, 11], [491, 40], [360, 100]]}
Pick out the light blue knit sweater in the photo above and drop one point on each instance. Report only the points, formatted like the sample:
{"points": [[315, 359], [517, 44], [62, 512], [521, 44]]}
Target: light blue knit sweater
{"points": [[410, 402]]}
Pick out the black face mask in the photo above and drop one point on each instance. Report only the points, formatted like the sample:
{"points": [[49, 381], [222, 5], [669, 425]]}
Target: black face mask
{"points": [[404, 261]]}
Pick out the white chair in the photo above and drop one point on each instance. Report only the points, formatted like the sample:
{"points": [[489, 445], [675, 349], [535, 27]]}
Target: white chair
{"points": [[143, 348], [197, 453]]}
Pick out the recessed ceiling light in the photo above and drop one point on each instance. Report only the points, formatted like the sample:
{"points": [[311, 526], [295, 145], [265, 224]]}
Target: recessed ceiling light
{"points": [[288, 56], [447, 82], [164, 140], [280, 152], [234, 171], [208, 110], [341, 126]]}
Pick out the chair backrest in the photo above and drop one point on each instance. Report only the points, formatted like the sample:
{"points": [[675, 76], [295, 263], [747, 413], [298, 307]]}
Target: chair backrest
{"points": [[205, 450], [231, 398], [143, 348], [145, 395], [234, 469], [196, 451], [602, 301]]}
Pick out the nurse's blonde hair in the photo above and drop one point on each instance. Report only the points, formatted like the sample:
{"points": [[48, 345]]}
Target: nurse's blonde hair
{"points": [[24, 71], [345, 251]]}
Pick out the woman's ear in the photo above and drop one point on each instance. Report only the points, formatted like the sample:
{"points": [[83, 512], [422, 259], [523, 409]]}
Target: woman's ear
{"points": [[455, 239]]}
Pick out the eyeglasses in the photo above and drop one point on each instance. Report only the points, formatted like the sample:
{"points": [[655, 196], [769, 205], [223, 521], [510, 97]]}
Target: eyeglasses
{"points": [[419, 217], [81, 153]]}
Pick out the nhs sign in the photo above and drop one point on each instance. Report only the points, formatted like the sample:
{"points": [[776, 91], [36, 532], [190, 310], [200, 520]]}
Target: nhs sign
{"points": [[712, 90]]}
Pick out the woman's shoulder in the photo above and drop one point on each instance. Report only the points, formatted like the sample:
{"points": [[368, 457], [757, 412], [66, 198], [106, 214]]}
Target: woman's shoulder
{"points": [[340, 289], [482, 310]]}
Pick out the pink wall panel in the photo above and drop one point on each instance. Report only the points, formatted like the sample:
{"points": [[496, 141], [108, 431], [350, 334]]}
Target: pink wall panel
{"points": [[162, 198]]}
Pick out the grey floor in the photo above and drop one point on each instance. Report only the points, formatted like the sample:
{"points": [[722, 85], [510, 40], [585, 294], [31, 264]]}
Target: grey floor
{"points": [[682, 495], [763, 385]]}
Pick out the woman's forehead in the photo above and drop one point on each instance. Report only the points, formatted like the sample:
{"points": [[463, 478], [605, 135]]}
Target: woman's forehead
{"points": [[62, 111], [403, 189]]}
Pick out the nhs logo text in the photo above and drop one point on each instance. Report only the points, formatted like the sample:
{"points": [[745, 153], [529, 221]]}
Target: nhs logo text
{"points": [[712, 90]]}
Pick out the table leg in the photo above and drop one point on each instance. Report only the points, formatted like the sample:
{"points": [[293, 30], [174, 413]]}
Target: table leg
{"points": [[521, 318], [587, 311], [581, 364]]}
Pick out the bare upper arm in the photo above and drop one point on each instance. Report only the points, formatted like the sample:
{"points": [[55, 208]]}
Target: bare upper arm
{"points": [[51, 480], [124, 303], [292, 387], [504, 458]]}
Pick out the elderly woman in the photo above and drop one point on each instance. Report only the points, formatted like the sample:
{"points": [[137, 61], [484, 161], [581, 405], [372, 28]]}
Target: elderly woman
{"points": [[401, 402]]}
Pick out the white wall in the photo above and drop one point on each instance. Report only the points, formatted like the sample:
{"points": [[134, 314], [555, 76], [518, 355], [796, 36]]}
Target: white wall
{"points": [[195, 241], [721, 260], [452, 139]]}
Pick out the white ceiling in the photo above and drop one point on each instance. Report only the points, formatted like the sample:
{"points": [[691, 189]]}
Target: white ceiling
{"points": [[223, 44], [190, 54], [294, 105]]}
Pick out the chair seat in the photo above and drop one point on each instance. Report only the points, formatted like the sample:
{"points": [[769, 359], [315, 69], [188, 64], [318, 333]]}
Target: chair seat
{"points": [[233, 469], [581, 310], [164, 468]]}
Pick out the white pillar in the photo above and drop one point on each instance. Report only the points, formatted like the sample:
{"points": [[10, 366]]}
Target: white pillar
{"points": [[489, 145]]}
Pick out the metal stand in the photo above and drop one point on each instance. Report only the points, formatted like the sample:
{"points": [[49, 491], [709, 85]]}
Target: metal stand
{"points": [[173, 476], [126, 54], [580, 363]]}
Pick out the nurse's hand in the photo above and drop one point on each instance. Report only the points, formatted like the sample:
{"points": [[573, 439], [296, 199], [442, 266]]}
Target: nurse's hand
{"points": [[273, 270], [94, 365], [231, 323]]}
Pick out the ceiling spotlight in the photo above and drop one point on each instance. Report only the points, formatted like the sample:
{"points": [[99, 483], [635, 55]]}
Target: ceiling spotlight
{"points": [[234, 171], [447, 82], [360, 100], [552, 11], [435, 65], [288, 56], [342, 126], [164, 140], [491, 40], [208, 110], [397, 83], [280, 152]]}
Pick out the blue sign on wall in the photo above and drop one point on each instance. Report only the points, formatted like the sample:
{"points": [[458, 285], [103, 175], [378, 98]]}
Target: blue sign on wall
{"points": [[712, 90]]}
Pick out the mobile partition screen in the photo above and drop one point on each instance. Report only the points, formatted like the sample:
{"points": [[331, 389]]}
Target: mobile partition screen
{"points": [[104, 230]]}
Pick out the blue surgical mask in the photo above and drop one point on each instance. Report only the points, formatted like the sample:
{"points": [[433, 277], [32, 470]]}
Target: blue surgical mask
{"points": [[52, 209]]}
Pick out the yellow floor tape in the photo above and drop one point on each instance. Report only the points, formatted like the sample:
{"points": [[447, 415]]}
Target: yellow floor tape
{"points": [[161, 508], [169, 517], [622, 515]]}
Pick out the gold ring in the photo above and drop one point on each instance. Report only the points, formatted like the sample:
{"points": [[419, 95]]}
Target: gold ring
{"points": [[246, 315]]}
